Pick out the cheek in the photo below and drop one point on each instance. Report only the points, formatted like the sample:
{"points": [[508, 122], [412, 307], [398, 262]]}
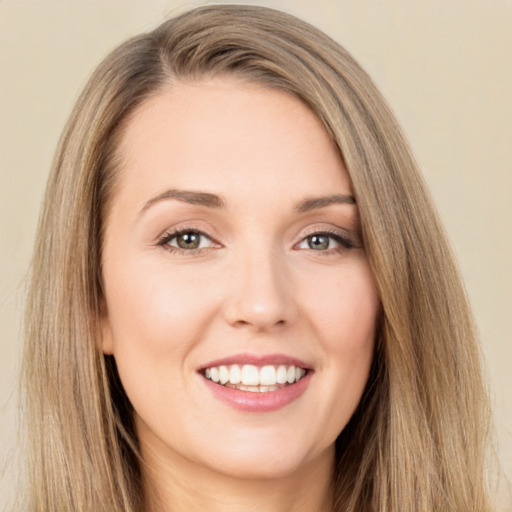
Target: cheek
{"points": [[346, 320], [347, 309], [155, 320], [358, 310], [155, 308]]}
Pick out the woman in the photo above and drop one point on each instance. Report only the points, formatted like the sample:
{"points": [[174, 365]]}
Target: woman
{"points": [[242, 296]]}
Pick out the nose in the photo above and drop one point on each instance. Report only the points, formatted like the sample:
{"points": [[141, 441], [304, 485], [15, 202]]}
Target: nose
{"points": [[260, 293]]}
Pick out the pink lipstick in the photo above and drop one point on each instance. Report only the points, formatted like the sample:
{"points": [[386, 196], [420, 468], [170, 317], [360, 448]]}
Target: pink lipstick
{"points": [[257, 383]]}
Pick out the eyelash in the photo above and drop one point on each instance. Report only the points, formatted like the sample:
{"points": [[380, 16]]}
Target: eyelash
{"points": [[345, 242], [167, 237]]}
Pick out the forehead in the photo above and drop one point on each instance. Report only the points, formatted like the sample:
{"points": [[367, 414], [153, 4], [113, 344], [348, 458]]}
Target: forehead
{"points": [[225, 135]]}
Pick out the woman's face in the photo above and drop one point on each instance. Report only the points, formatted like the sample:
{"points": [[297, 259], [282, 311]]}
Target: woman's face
{"points": [[232, 254]]}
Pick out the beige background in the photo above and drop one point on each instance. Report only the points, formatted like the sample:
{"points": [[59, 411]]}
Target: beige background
{"points": [[445, 67]]}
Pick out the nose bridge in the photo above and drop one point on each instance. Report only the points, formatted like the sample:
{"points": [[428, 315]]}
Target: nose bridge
{"points": [[260, 289]]}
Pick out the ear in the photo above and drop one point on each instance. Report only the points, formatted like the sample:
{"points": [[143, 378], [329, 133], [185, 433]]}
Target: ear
{"points": [[106, 342]]}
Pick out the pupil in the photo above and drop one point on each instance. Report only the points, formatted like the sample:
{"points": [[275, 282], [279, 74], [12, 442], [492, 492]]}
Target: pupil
{"points": [[319, 242], [188, 241]]}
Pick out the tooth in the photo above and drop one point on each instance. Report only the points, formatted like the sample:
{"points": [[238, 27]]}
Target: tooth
{"points": [[281, 375], [250, 375], [223, 374], [290, 375], [214, 374], [234, 374], [268, 376], [251, 378]]}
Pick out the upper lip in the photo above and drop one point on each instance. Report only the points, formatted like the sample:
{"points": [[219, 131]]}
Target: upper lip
{"points": [[257, 360]]}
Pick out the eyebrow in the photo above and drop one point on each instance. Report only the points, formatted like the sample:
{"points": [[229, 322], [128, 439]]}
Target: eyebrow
{"points": [[214, 201], [186, 196], [321, 202]]}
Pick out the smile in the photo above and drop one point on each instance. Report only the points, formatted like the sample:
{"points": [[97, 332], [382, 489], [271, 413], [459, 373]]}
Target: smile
{"points": [[257, 379]]}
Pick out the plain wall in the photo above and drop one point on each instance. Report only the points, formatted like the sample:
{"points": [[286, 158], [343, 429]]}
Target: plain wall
{"points": [[444, 66]]}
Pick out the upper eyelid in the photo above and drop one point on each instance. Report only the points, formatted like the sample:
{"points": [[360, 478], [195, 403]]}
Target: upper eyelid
{"points": [[169, 235], [336, 232], [333, 231], [330, 231], [342, 240]]}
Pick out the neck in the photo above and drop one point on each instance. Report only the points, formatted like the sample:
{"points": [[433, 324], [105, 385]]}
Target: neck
{"points": [[179, 485]]}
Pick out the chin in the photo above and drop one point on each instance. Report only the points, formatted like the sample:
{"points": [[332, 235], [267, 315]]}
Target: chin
{"points": [[265, 464]]}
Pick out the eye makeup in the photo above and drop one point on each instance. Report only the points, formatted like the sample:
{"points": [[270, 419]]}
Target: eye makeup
{"points": [[187, 241], [191, 241]]}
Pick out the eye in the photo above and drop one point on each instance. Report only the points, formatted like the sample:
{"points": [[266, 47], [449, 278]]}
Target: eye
{"points": [[187, 240], [325, 242]]}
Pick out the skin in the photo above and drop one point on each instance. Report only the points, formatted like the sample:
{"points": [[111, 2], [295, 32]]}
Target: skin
{"points": [[255, 286]]}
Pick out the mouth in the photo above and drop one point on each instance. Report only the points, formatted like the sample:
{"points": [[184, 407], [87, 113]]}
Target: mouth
{"points": [[255, 378], [257, 383]]}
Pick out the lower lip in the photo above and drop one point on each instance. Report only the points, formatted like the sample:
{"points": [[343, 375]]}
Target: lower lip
{"points": [[256, 401]]}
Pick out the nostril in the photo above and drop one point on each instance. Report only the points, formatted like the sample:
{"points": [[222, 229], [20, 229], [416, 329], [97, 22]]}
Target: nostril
{"points": [[258, 323], [259, 300]]}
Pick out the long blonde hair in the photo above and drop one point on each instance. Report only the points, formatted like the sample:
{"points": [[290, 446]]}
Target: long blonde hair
{"points": [[417, 441]]}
